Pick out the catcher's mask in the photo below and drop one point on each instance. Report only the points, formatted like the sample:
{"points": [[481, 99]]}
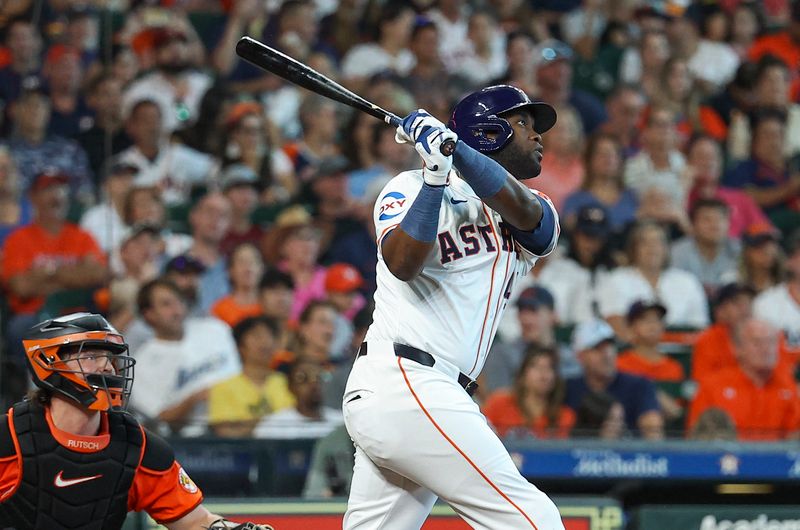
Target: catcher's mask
{"points": [[81, 356]]}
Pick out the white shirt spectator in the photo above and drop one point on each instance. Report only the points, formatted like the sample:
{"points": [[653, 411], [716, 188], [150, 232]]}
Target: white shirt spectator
{"points": [[156, 87], [573, 25], [453, 42], [640, 176], [288, 423], [714, 62], [175, 170], [478, 70], [776, 306], [365, 60], [105, 225], [679, 291], [168, 372]]}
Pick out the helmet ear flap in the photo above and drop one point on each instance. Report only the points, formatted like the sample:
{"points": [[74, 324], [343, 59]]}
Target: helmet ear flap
{"points": [[493, 124]]}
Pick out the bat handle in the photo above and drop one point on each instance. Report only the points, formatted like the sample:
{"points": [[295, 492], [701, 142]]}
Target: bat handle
{"points": [[447, 148]]}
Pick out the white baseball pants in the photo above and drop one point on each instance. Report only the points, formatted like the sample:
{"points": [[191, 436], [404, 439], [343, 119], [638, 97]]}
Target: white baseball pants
{"points": [[418, 435]]}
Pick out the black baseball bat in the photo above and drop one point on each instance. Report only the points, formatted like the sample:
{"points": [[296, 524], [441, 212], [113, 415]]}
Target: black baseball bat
{"points": [[300, 74]]}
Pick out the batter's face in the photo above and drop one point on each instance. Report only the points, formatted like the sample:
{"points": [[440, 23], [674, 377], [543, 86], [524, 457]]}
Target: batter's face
{"points": [[522, 156]]}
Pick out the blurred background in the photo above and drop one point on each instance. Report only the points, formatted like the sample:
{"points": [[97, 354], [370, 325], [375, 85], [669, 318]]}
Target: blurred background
{"points": [[645, 374]]}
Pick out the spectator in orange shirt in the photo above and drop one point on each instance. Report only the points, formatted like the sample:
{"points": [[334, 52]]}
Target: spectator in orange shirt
{"points": [[245, 267], [646, 322], [762, 401], [715, 349], [535, 404], [47, 256]]}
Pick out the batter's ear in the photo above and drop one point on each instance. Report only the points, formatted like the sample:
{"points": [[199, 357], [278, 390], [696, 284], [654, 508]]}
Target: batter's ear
{"points": [[158, 455]]}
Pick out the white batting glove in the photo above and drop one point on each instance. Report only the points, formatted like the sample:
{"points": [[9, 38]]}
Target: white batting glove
{"points": [[414, 125], [428, 145]]}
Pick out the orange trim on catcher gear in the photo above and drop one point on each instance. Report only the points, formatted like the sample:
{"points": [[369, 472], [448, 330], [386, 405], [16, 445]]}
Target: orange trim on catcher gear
{"points": [[457, 448]]}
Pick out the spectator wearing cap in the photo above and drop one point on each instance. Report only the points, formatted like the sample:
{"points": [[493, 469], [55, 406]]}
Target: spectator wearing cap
{"points": [[47, 256], [536, 320], [704, 158], [251, 141], [709, 254], [174, 84], [342, 284], [183, 360], [104, 98], [767, 176], [574, 278], [236, 404], [761, 267], [390, 50], [646, 324], [534, 405], [36, 151], [780, 305], [105, 220], [593, 342], [552, 61], [174, 168], [63, 72], [24, 44], [245, 268], [15, 209], [563, 167], [603, 185], [483, 58], [276, 295], [240, 185], [761, 399], [649, 277]]}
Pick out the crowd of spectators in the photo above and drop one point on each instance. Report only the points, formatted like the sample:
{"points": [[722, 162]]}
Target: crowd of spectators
{"points": [[223, 219]]}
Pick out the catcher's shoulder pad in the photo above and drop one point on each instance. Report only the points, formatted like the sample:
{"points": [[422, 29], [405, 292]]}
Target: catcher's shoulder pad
{"points": [[6, 442], [158, 455]]}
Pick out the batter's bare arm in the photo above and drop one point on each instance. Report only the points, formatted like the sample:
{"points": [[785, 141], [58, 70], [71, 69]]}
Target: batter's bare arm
{"points": [[404, 256]]}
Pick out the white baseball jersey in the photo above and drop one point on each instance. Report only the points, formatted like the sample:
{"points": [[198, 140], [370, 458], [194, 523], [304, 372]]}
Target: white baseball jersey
{"points": [[452, 309]]}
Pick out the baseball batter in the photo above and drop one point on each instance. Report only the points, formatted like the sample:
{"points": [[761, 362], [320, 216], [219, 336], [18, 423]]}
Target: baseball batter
{"points": [[453, 239]]}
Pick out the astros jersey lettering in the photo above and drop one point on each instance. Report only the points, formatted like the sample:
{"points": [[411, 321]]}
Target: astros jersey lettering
{"points": [[453, 307]]}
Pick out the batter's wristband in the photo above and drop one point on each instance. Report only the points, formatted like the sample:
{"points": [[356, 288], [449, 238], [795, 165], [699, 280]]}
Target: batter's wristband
{"points": [[484, 175], [422, 220]]}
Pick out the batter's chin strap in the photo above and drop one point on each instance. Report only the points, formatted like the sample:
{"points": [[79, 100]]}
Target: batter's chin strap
{"points": [[224, 524]]}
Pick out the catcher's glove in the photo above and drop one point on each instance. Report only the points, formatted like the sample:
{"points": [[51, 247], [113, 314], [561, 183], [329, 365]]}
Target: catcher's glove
{"points": [[222, 524]]}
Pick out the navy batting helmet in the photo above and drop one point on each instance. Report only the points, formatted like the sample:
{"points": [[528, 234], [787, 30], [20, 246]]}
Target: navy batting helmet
{"points": [[482, 111]]}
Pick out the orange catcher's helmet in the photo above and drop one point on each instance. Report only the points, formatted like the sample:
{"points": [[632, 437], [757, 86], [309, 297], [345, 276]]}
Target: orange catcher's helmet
{"points": [[63, 358]]}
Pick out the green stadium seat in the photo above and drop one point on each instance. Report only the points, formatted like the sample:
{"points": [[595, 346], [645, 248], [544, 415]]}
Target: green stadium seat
{"points": [[65, 302]]}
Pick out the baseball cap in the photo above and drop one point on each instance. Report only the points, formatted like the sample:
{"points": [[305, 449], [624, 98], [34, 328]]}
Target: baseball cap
{"points": [[332, 165], [534, 298], [591, 333], [238, 175], [593, 221], [47, 178], [185, 263], [759, 233], [730, 291], [550, 50], [240, 110], [640, 307], [342, 278]]}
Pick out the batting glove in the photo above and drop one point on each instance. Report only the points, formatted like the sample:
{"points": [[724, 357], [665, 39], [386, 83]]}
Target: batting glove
{"points": [[428, 145], [414, 125]]}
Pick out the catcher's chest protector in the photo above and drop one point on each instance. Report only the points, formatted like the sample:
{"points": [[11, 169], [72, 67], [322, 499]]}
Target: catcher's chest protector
{"points": [[51, 494]]}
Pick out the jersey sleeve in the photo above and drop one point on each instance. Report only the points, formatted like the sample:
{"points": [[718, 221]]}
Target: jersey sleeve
{"points": [[545, 236], [394, 201], [161, 487]]}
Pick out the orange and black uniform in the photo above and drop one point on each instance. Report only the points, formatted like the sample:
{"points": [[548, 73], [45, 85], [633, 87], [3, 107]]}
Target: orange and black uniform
{"points": [[51, 479]]}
